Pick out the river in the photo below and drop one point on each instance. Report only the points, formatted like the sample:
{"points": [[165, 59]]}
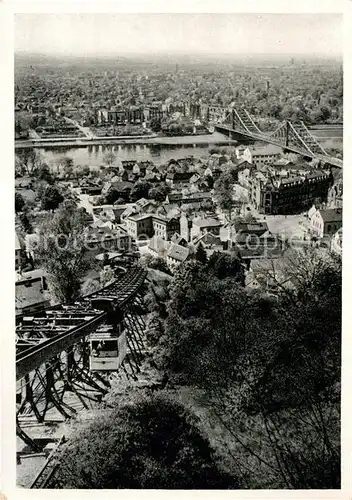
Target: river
{"points": [[93, 155]]}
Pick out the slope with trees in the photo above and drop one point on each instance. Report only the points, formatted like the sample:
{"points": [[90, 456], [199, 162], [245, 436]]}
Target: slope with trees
{"points": [[148, 443]]}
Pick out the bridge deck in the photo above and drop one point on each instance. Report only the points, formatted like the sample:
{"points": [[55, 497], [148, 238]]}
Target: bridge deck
{"points": [[336, 162]]}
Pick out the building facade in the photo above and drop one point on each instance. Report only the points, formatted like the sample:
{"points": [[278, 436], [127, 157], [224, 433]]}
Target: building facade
{"points": [[326, 222], [289, 195]]}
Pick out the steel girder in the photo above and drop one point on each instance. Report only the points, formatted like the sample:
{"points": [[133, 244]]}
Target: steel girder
{"points": [[58, 378]]}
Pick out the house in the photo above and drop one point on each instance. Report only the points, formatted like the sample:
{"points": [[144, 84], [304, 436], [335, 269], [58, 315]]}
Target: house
{"points": [[165, 227], [104, 238], [125, 176], [270, 275], [203, 225], [152, 177], [27, 194], [195, 178], [128, 165], [104, 213], [146, 166], [145, 205], [158, 247], [177, 238], [151, 168], [216, 173], [311, 212], [91, 189], [326, 222], [335, 195], [178, 178], [172, 198], [253, 240], [294, 194], [18, 252], [208, 172], [198, 197], [244, 177], [30, 296], [336, 243], [122, 189], [118, 211], [250, 228], [185, 227], [242, 152], [130, 209], [140, 226], [263, 155], [176, 255], [208, 240]]}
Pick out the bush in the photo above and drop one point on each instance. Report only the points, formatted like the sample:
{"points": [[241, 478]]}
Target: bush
{"points": [[152, 442]]}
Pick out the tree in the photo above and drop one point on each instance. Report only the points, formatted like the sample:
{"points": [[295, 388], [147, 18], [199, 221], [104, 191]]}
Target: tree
{"points": [[107, 275], [63, 253], [109, 158], [42, 172], [51, 198], [159, 192], [19, 202], [155, 124], [112, 196], [201, 255], [90, 286], [140, 190], [160, 264], [276, 393], [25, 223], [148, 442], [67, 162], [209, 179], [224, 190], [20, 168]]}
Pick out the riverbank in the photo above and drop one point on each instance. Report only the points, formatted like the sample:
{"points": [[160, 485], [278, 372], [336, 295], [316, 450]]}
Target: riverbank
{"points": [[214, 138]]}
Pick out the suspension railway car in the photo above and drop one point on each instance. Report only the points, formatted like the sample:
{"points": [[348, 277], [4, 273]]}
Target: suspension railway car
{"points": [[107, 345]]}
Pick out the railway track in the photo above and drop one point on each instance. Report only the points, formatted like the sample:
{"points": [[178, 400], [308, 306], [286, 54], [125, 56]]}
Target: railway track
{"points": [[48, 469]]}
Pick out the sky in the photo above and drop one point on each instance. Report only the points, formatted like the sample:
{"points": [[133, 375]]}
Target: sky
{"points": [[109, 34]]}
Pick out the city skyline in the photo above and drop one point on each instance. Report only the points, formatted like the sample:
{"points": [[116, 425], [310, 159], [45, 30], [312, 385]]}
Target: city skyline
{"points": [[198, 34]]}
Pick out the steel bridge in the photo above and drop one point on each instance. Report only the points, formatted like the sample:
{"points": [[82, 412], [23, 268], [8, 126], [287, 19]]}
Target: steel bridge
{"points": [[294, 137], [52, 352]]}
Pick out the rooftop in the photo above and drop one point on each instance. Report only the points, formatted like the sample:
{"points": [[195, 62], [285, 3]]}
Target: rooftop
{"points": [[208, 239], [207, 222], [178, 252], [266, 150], [331, 215], [17, 242], [254, 227], [179, 176], [139, 217], [29, 292]]}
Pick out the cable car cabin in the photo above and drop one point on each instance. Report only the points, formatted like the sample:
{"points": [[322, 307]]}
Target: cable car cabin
{"points": [[107, 349]]}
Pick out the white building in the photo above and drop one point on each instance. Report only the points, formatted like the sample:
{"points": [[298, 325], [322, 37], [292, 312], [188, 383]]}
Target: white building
{"points": [[336, 243], [17, 252], [259, 156], [326, 222]]}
